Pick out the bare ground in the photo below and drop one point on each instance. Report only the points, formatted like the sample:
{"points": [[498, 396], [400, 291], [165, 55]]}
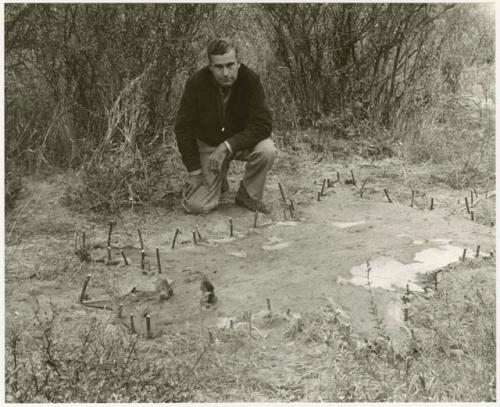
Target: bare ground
{"points": [[301, 265]]}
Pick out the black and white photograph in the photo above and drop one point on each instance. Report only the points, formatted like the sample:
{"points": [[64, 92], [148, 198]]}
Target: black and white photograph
{"points": [[249, 202]]}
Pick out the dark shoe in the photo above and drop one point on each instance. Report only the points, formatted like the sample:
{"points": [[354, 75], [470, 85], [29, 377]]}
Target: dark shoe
{"points": [[225, 185], [243, 199]]}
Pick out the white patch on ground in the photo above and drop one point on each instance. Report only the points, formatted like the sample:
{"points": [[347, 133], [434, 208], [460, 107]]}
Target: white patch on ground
{"points": [[390, 274], [345, 225], [286, 223], [275, 243], [224, 323], [277, 246], [419, 242], [223, 240], [242, 254], [440, 241]]}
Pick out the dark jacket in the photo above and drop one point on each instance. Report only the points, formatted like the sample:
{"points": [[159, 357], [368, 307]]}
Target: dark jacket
{"points": [[247, 120]]}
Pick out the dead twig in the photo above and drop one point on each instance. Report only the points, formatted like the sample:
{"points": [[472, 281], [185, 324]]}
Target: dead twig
{"points": [[362, 189]]}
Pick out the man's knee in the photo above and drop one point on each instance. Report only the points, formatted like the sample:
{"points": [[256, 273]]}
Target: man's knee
{"points": [[266, 151], [197, 206]]}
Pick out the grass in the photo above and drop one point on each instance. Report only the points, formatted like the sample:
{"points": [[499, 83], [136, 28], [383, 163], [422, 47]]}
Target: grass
{"points": [[448, 355]]}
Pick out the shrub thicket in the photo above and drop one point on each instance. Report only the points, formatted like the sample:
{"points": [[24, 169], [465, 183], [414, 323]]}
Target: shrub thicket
{"points": [[346, 69]]}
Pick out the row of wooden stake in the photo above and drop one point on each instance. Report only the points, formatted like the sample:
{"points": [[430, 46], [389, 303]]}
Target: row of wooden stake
{"points": [[326, 181], [406, 296]]}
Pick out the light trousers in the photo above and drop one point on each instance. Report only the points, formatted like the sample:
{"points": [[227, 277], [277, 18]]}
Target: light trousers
{"points": [[205, 197]]}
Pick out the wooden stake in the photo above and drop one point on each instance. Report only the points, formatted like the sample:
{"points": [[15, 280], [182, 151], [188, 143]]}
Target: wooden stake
{"points": [[158, 260], [407, 289], [132, 327], [231, 234], [140, 238], [282, 193], [198, 232], [323, 187], [353, 179], [319, 196], [432, 204], [472, 215], [338, 177], [467, 205], [284, 214], [255, 216], [463, 255], [268, 304], [291, 204], [412, 197], [477, 250], [109, 253], [387, 195], [124, 257], [111, 223], [405, 313], [475, 192], [84, 288], [143, 259], [291, 211], [148, 326], [230, 324], [194, 238], [177, 230]]}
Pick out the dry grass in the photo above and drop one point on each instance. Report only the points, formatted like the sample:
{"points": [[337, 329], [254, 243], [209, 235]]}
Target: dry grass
{"points": [[448, 355]]}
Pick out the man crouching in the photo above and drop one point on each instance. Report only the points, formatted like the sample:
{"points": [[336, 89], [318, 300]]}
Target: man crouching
{"points": [[223, 117]]}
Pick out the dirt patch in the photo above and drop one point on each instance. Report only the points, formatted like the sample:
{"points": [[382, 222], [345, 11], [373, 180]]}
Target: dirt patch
{"points": [[266, 279]]}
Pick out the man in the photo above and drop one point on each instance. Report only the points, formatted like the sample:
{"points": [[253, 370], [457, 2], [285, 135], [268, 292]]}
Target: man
{"points": [[223, 116]]}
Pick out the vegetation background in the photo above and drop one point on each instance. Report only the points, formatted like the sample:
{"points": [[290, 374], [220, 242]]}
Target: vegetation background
{"points": [[95, 87], [91, 92]]}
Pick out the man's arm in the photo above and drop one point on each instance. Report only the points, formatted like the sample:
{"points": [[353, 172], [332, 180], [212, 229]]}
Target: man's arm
{"points": [[185, 130], [259, 123]]}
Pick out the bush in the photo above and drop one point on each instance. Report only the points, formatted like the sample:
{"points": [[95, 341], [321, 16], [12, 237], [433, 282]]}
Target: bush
{"points": [[120, 181], [98, 362]]}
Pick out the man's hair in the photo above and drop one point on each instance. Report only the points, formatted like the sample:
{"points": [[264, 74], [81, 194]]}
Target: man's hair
{"points": [[221, 46]]}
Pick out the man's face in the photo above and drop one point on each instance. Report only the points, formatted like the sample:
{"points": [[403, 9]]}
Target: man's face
{"points": [[224, 68]]}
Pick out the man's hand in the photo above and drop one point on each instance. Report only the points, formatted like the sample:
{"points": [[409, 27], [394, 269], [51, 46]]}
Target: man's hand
{"points": [[217, 158], [193, 182]]}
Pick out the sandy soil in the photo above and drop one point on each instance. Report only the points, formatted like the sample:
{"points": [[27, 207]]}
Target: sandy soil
{"points": [[298, 264]]}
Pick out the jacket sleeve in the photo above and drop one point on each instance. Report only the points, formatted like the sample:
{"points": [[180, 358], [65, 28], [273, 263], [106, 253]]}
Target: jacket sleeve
{"points": [[259, 124], [185, 128]]}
